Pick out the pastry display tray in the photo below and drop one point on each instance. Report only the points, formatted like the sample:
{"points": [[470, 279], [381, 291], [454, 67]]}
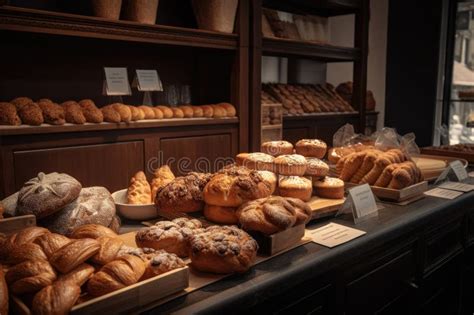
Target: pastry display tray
{"points": [[398, 195]]}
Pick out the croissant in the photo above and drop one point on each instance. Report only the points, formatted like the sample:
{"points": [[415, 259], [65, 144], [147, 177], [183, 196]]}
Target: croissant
{"points": [[92, 231], [24, 252], [73, 254], [122, 272], [79, 275], [109, 247], [3, 294], [56, 299], [30, 276], [139, 191], [25, 236], [51, 242]]}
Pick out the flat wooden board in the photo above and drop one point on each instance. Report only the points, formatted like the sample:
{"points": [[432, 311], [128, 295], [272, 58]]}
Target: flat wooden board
{"points": [[14, 224], [322, 207], [468, 156], [432, 166]]}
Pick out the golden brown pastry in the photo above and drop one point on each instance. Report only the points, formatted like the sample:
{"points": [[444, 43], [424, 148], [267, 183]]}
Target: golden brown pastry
{"points": [[123, 110], [241, 158], [187, 111], [351, 165], [28, 251], [219, 111], [135, 113], [141, 113], [221, 215], [148, 110], [329, 187], [276, 148], [73, 254], [315, 167], [51, 242], [229, 108], [267, 215], [109, 247], [139, 190], [110, 114], [259, 161], [124, 271], [160, 263], [52, 113], [167, 112], [295, 187], [183, 194], [334, 154], [231, 189], [367, 164], [56, 299], [208, 111], [270, 178], [158, 113], [31, 114], [290, 164], [30, 276], [78, 275], [379, 165], [73, 113], [93, 231], [311, 148], [162, 176], [19, 102], [177, 112], [91, 112], [198, 111], [16, 240], [303, 211], [3, 294], [8, 114], [386, 176], [222, 249]]}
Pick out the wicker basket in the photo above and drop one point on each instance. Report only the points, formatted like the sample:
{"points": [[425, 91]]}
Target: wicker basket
{"points": [[215, 15], [143, 11], [109, 9]]}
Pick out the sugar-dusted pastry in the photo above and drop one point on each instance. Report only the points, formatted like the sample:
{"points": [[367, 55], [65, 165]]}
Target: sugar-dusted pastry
{"points": [[290, 164], [315, 167], [8, 114], [311, 148], [276, 148], [259, 161], [329, 187], [295, 187], [31, 114], [161, 262], [139, 190], [162, 176]]}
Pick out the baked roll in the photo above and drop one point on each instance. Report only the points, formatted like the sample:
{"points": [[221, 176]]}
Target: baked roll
{"points": [[31, 114], [295, 187], [329, 187], [162, 176], [109, 247], [259, 161], [123, 110], [148, 110], [276, 148], [222, 249], [311, 148], [8, 114], [135, 113], [57, 298], [187, 111], [73, 254], [229, 108], [303, 211], [160, 263], [197, 111], [73, 113], [221, 215], [110, 114], [270, 178], [177, 112], [208, 111], [16, 240], [219, 111], [158, 113], [93, 231], [3, 294], [316, 167], [124, 271], [19, 102], [290, 164], [52, 113], [30, 276], [24, 252], [167, 112], [139, 191], [79, 275], [91, 112], [51, 242]]}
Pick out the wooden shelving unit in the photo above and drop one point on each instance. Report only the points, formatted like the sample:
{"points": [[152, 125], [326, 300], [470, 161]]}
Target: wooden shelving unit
{"points": [[302, 126]]}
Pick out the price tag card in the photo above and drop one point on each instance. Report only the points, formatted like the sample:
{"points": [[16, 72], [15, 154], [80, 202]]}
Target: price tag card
{"points": [[363, 201], [443, 193], [333, 234], [148, 80], [459, 170], [457, 186], [116, 81]]}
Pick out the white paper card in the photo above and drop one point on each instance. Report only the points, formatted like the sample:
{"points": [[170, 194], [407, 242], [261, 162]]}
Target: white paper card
{"points": [[363, 200], [333, 234], [116, 80], [148, 80], [457, 186], [443, 193], [459, 170]]}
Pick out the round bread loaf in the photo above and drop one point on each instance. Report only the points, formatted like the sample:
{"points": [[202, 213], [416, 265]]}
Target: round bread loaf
{"points": [[311, 147], [271, 178], [221, 215], [259, 161], [9, 205], [290, 164], [240, 158], [295, 187], [94, 205], [222, 249], [316, 167], [219, 111], [183, 194], [158, 113], [276, 148], [47, 194], [329, 187], [235, 188]]}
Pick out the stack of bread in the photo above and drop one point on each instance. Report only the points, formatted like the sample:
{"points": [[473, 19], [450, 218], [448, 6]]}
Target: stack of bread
{"points": [[391, 169], [307, 98], [61, 204], [300, 168], [50, 273], [23, 110]]}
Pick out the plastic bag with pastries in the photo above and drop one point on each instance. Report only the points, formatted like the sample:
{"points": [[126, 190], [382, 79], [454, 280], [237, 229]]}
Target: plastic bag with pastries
{"points": [[388, 138]]}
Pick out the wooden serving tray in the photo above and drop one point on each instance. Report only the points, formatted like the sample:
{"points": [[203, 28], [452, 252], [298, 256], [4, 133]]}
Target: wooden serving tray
{"points": [[430, 173], [275, 243], [14, 224], [323, 207], [398, 195], [468, 156]]}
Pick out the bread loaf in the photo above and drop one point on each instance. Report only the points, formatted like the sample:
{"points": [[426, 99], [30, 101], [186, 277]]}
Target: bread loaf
{"points": [[73, 254]]}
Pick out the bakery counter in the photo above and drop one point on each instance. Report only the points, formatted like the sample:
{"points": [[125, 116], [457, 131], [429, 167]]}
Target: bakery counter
{"points": [[413, 259]]}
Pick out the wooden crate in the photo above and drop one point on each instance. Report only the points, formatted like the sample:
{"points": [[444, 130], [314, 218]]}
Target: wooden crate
{"points": [[272, 244], [397, 195]]}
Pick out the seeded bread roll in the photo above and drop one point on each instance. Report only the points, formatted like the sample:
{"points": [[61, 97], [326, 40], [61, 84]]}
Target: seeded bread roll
{"points": [[19, 102], [73, 113], [311, 148], [8, 114], [31, 114], [222, 249]]}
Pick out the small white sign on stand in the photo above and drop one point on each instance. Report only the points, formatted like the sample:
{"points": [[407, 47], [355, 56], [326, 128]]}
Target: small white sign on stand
{"points": [[454, 172], [147, 81], [360, 202], [116, 82]]}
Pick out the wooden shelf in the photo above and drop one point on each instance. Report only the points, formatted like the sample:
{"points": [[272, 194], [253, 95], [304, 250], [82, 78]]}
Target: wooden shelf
{"points": [[319, 7], [270, 127], [152, 123], [288, 47], [39, 21]]}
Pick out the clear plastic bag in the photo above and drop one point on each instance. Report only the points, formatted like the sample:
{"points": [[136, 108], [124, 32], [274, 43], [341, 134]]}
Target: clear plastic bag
{"points": [[388, 138]]}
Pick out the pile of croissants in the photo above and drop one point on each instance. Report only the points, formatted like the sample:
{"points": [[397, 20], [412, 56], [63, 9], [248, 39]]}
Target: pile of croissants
{"points": [[49, 273]]}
